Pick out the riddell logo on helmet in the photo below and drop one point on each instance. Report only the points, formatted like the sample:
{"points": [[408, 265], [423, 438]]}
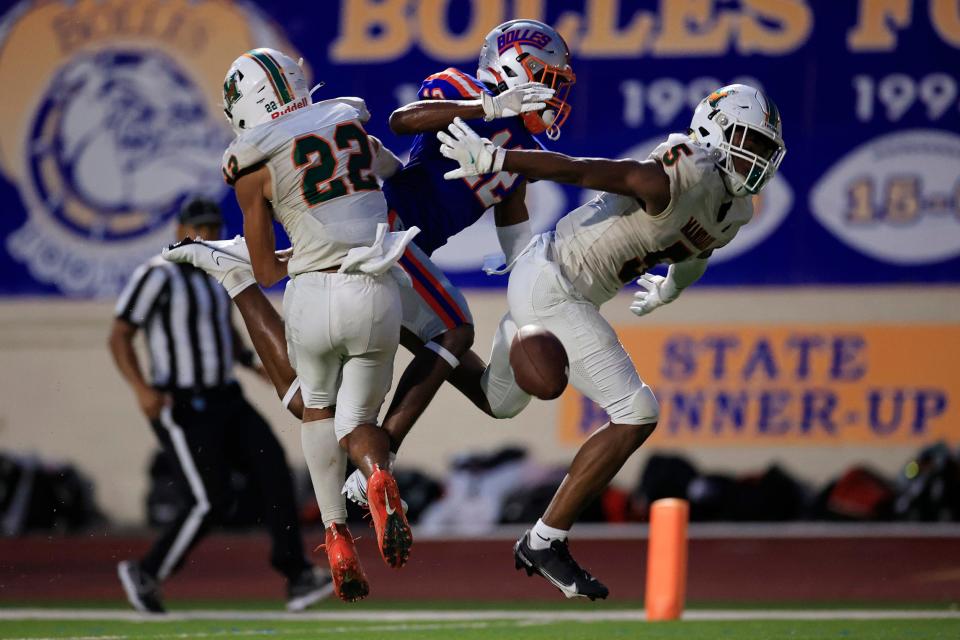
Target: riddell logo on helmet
{"points": [[538, 39], [293, 106]]}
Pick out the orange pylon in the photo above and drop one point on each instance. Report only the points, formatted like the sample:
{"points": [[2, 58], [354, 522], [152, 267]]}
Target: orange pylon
{"points": [[667, 559]]}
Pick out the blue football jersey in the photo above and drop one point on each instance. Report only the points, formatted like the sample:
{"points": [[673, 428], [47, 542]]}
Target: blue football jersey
{"points": [[442, 208]]}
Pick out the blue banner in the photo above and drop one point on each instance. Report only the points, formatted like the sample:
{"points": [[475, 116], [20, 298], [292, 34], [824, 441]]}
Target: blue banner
{"points": [[111, 117]]}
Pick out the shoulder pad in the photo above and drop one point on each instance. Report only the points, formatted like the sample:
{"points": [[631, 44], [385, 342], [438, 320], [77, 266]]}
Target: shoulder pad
{"points": [[242, 156], [450, 84], [684, 160], [356, 103]]}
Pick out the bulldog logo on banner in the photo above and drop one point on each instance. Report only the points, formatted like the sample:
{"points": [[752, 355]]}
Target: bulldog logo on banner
{"points": [[118, 121]]}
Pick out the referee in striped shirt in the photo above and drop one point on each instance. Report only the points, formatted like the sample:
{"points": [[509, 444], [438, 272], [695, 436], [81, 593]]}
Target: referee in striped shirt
{"points": [[201, 418]]}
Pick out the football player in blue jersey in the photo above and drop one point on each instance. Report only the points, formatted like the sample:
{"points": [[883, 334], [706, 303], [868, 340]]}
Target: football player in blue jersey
{"points": [[520, 90]]}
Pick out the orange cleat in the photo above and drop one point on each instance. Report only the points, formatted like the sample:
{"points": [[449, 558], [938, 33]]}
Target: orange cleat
{"points": [[349, 580], [389, 520]]}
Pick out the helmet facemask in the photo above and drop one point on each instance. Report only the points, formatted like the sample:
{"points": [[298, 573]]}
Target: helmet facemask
{"points": [[741, 128], [551, 118], [521, 51], [752, 157]]}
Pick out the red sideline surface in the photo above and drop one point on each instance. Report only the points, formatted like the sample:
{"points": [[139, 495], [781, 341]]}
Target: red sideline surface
{"points": [[761, 569]]}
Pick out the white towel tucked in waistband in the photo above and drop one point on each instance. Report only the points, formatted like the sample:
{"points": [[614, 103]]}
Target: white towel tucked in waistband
{"points": [[382, 255]]}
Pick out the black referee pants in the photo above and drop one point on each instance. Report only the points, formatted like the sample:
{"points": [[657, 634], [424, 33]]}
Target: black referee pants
{"points": [[209, 434]]}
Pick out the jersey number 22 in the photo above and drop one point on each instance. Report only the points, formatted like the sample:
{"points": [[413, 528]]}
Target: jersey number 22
{"points": [[318, 184]]}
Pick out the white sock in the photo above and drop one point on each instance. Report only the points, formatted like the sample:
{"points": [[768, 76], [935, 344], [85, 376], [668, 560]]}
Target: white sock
{"points": [[327, 463], [541, 536]]}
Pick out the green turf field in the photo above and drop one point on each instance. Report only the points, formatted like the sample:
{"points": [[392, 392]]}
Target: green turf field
{"points": [[490, 629], [558, 623]]}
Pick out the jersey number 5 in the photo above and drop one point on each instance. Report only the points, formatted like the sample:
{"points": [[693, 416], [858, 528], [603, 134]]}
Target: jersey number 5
{"points": [[318, 184], [673, 154]]}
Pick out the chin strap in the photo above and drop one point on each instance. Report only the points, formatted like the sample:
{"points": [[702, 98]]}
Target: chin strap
{"points": [[316, 86]]}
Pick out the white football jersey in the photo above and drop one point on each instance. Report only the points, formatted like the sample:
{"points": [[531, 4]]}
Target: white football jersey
{"points": [[611, 240], [324, 192]]}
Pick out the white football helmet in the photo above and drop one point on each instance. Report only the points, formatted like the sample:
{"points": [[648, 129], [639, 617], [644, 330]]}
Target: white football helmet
{"points": [[743, 125], [522, 51], [263, 85]]}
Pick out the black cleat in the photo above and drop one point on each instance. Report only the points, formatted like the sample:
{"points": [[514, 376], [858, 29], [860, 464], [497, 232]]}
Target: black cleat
{"points": [[142, 590], [559, 568], [309, 588]]}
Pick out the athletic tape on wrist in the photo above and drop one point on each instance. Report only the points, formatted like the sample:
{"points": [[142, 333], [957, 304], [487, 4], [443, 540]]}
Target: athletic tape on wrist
{"points": [[292, 391], [443, 353], [489, 110], [498, 157]]}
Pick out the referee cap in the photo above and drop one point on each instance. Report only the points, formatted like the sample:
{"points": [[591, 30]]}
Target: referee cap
{"points": [[199, 211]]}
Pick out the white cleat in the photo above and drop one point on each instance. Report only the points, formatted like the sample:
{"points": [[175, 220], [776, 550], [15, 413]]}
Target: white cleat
{"points": [[355, 489], [226, 260]]}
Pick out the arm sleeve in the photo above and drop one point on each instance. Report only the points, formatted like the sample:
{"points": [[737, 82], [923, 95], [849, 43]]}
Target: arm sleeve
{"points": [[385, 162], [139, 297], [514, 239]]}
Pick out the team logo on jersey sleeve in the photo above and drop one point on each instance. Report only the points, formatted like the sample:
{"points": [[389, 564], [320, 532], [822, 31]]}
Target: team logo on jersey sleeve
{"points": [[117, 124]]}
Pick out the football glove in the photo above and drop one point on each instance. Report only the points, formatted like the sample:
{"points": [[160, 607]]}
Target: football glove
{"points": [[530, 96], [657, 291], [475, 155]]}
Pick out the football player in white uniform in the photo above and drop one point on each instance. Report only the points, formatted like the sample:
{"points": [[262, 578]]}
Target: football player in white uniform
{"points": [[314, 168], [689, 198], [517, 57]]}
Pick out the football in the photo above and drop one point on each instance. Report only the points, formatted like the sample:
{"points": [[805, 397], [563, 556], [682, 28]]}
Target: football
{"points": [[539, 362]]}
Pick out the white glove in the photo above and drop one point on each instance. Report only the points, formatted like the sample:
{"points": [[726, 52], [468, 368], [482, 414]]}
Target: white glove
{"points": [[657, 292], [475, 155], [530, 96]]}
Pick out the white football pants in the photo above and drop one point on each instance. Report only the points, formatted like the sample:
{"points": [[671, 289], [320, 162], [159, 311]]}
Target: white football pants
{"points": [[600, 367], [342, 335]]}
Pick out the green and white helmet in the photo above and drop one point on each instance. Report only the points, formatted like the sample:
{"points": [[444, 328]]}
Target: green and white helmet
{"points": [[742, 125], [263, 85]]}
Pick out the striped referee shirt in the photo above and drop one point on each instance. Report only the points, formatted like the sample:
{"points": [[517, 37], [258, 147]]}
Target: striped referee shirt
{"points": [[186, 316]]}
